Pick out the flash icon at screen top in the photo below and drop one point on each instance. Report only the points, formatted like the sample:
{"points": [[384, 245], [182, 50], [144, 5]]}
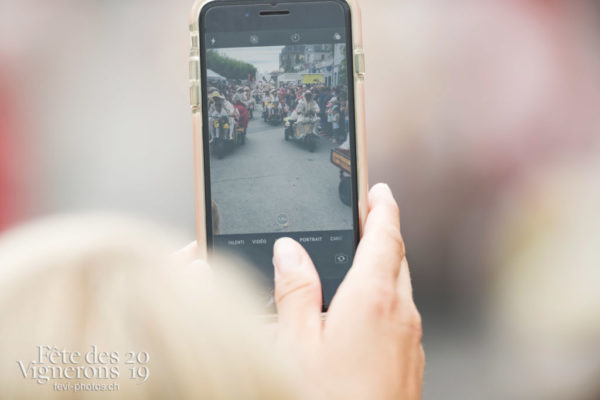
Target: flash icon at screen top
{"points": [[295, 37], [253, 39], [337, 36]]}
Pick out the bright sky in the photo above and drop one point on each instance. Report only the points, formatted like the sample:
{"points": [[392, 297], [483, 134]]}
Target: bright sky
{"points": [[265, 59]]}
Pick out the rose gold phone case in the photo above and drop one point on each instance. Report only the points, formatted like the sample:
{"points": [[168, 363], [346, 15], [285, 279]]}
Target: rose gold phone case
{"points": [[196, 104]]}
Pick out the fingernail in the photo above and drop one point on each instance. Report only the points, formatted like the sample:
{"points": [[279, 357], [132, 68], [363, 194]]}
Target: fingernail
{"points": [[286, 255], [382, 189]]}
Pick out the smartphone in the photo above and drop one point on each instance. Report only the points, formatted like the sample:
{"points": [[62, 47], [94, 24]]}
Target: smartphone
{"points": [[279, 131]]}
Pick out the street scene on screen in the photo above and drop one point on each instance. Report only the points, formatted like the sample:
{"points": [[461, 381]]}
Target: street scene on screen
{"points": [[279, 139]]}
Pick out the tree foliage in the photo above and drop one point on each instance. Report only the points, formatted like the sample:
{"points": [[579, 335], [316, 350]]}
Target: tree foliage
{"points": [[343, 71], [229, 67]]}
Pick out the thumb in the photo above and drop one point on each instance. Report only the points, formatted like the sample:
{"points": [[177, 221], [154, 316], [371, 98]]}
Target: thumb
{"points": [[297, 291]]}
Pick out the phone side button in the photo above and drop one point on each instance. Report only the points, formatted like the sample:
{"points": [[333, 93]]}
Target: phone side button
{"points": [[194, 82], [359, 63], [195, 95], [194, 70]]}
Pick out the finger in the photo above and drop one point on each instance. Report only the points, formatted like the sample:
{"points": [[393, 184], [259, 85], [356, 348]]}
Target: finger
{"points": [[405, 290], [371, 284], [381, 249], [186, 255], [410, 317], [383, 209], [297, 290], [200, 266]]}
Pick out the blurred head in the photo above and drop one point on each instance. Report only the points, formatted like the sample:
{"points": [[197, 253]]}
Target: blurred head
{"points": [[79, 282]]}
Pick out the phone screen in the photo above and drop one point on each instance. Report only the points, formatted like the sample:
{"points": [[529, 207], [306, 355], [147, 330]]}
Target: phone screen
{"points": [[279, 133]]}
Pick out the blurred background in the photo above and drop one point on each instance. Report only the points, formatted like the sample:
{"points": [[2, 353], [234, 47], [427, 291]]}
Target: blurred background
{"points": [[482, 115]]}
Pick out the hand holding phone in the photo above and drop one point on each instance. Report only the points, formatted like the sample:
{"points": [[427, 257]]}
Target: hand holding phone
{"points": [[296, 166], [370, 345]]}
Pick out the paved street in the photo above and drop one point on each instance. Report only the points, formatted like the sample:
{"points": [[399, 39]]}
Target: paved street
{"points": [[271, 185]]}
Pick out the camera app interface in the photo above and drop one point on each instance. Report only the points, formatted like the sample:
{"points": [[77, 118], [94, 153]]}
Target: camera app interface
{"points": [[279, 137]]}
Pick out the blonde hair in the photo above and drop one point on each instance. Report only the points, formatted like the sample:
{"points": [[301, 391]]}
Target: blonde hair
{"points": [[82, 281]]}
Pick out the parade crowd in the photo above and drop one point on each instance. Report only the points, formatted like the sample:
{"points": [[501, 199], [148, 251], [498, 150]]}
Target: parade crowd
{"points": [[303, 103]]}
